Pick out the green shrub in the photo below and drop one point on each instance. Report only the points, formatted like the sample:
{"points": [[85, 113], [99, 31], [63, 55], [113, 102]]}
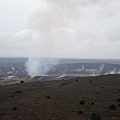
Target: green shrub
{"points": [[76, 80], [14, 108], [2, 114], [118, 104], [92, 103], [97, 93], [112, 107], [21, 81], [80, 112], [118, 100], [18, 91], [82, 102], [47, 96], [95, 116]]}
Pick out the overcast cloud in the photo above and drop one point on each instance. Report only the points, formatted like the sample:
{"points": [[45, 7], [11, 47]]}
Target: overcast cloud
{"points": [[60, 28]]}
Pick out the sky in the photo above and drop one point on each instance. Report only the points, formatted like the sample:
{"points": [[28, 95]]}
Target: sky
{"points": [[60, 28]]}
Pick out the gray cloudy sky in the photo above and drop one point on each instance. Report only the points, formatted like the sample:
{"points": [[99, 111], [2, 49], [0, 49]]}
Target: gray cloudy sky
{"points": [[60, 28]]}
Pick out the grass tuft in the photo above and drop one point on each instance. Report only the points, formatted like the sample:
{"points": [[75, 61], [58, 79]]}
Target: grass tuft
{"points": [[82, 102], [95, 116], [112, 107]]}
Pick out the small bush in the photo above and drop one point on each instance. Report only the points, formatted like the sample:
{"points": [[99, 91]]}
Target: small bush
{"points": [[2, 114], [76, 80], [18, 91], [97, 93], [102, 87], [92, 103], [118, 104], [90, 81], [82, 102], [95, 116], [119, 90], [80, 112], [21, 81], [118, 100], [112, 107], [14, 108], [47, 96]]}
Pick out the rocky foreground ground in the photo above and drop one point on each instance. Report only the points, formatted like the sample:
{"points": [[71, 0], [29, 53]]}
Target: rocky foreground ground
{"points": [[86, 98]]}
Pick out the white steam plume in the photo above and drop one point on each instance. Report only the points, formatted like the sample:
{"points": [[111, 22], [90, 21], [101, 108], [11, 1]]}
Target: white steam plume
{"points": [[39, 66], [52, 25], [72, 28]]}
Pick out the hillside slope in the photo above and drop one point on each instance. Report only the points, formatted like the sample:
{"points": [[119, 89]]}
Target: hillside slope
{"points": [[61, 100]]}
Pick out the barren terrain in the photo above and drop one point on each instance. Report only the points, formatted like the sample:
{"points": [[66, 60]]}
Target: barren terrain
{"points": [[61, 99]]}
